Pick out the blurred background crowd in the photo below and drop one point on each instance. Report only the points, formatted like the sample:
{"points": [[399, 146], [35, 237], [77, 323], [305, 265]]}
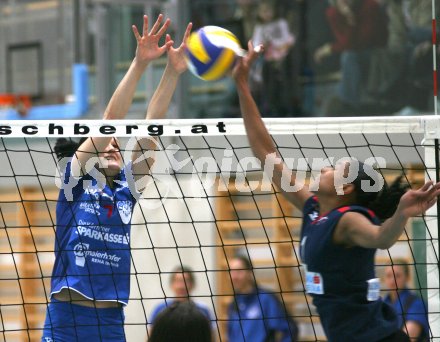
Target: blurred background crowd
{"points": [[322, 57]]}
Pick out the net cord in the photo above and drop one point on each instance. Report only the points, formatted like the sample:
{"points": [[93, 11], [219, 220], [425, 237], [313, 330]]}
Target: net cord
{"points": [[218, 127]]}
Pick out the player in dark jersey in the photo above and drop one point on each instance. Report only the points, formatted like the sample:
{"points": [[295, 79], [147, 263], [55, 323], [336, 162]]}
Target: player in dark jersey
{"points": [[91, 275], [343, 226]]}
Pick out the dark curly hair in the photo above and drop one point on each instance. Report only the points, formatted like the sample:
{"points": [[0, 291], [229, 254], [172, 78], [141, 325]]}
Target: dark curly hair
{"points": [[67, 147], [384, 202]]}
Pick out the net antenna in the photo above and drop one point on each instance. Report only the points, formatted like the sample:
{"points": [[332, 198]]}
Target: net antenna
{"points": [[434, 154], [434, 57]]}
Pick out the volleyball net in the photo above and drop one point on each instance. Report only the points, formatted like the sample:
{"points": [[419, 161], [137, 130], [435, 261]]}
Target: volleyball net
{"points": [[207, 200]]}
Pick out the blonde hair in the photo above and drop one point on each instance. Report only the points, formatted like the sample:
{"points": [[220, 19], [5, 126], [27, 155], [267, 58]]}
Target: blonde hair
{"points": [[404, 263]]}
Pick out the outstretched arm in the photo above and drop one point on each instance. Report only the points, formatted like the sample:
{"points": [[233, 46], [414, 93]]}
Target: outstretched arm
{"points": [[354, 229], [176, 65], [147, 50], [158, 107], [259, 138]]}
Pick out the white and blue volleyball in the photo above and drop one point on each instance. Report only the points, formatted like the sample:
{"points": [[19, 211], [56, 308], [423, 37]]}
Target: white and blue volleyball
{"points": [[211, 52]]}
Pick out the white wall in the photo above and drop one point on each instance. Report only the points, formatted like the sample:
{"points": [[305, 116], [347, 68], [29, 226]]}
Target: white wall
{"points": [[167, 233]]}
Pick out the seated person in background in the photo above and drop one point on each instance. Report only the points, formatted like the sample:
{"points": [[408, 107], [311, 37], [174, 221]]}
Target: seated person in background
{"points": [[409, 307], [413, 21], [182, 282], [358, 26], [183, 322], [256, 314], [275, 71]]}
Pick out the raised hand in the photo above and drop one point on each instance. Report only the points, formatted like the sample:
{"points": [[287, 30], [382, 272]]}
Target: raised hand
{"points": [[416, 202], [148, 47], [240, 73], [176, 56]]}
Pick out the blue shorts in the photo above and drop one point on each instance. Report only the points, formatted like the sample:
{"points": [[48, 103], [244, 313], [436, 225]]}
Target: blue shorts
{"points": [[67, 322]]}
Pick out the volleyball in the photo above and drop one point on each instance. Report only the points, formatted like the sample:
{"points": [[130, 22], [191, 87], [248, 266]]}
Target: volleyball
{"points": [[211, 52]]}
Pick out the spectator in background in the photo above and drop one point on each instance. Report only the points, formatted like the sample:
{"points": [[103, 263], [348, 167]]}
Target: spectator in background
{"points": [[316, 32], [274, 76], [182, 283], [246, 15], [182, 322], [401, 76], [256, 314], [418, 17], [409, 307], [359, 26]]}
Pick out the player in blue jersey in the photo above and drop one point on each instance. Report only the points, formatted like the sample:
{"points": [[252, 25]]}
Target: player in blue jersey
{"points": [[343, 226], [256, 314], [91, 275], [409, 307]]}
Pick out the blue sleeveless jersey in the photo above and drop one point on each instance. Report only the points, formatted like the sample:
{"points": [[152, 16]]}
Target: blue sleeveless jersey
{"points": [[342, 280], [92, 240]]}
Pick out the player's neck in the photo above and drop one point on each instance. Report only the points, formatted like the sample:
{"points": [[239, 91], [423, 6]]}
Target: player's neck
{"points": [[393, 296], [328, 203], [249, 288], [110, 180], [181, 299]]}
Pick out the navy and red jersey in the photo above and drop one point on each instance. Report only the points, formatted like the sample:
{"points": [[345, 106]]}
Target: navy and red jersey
{"points": [[342, 280]]}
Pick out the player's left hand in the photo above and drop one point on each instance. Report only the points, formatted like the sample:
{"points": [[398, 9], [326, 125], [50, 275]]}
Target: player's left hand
{"points": [[243, 65], [416, 202], [176, 56]]}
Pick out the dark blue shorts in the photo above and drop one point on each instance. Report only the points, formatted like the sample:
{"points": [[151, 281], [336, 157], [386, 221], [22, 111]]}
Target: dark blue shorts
{"points": [[67, 322]]}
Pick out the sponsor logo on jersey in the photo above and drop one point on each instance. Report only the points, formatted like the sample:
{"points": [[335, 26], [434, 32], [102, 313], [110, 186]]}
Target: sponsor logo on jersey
{"points": [[104, 258], [80, 250], [103, 235], [91, 206], [314, 283], [125, 209], [320, 220], [313, 216]]}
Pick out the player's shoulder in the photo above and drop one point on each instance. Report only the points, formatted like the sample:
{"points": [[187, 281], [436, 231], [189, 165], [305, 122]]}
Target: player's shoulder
{"points": [[415, 300], [159, 307], [205, 309], [310, 204], [201, 305], [352, 213], [351, 219]]}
